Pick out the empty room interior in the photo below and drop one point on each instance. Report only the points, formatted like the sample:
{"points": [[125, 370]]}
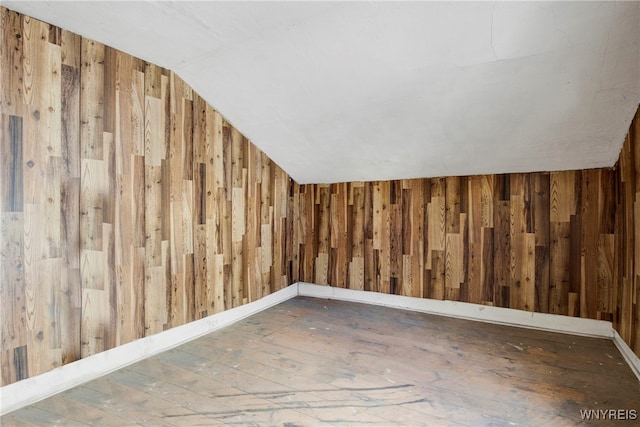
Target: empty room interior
{"points": [[319, 213]]}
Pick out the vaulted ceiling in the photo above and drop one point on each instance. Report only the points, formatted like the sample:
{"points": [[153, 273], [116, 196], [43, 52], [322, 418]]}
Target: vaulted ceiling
{"points": [[347, 91]]}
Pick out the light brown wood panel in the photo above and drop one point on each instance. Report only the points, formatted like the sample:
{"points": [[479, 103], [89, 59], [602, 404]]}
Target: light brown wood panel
{"points": [[252, 268], [381, 233], [436, 240], [280, 197], [413, 240], [12, 57], [356, 223], [340, 235], [124, 211], [322, 259]]}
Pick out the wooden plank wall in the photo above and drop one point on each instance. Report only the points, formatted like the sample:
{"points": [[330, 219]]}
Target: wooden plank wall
{"points": [[562, 242], [626, 293], [128, 205], [39, 196]]}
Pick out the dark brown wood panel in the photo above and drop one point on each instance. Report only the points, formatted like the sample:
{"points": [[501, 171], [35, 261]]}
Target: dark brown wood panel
{"points": [[625, 295]]}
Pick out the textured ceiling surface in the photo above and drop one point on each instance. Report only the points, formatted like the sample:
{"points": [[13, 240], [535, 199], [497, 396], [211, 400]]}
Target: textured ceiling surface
{"points": [[347, 91]]}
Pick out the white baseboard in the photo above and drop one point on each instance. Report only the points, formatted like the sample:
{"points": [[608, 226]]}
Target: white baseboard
{"points": [[484, 313], [28, 391], [632, 359], [34, 389]]}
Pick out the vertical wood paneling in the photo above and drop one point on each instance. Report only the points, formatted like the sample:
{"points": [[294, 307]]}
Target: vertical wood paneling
{"points": [[71, 282], [561, 242], [94, 181], [154, 166], [127, 204], [626, 291], [414, 282], [322, 259], [356, 222], [541, 227], [369, 260], [12, 57], [436, 240]]}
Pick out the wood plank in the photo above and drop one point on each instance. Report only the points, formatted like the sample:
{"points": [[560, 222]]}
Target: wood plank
{"points": [[437, 275], [138, 189], [12, 290], [93, 186], [12, 79], [91, 99], [356, 273], [341, 239], [576, 263], [152, 80], [95, 318], [137, 99], [11, 176], [437, 216], [34, 36], [606, 256], [502, 250], [174, 230], [382, 229], [562, 198], [559, 268], [95, 313], [396, 237], [252, 263], [280, 211], [474, 242], [452, 205], [416, 216], [70, 49], [324, 244], [541, 208], [200, 271], [522, 290], [487, 271], [454, 261], [590, 235]]}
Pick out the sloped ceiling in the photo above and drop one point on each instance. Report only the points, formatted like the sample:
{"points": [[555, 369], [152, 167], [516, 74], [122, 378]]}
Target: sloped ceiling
{"points": [[344, 91]]}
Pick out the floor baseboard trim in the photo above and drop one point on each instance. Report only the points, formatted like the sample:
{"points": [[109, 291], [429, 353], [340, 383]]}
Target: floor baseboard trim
{"points": [[632, 359], [31, 390], [483, 313], [478, 312]]}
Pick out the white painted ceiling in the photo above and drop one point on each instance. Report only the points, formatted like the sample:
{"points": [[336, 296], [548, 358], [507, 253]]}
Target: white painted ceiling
{"points": [[344, 91]]}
